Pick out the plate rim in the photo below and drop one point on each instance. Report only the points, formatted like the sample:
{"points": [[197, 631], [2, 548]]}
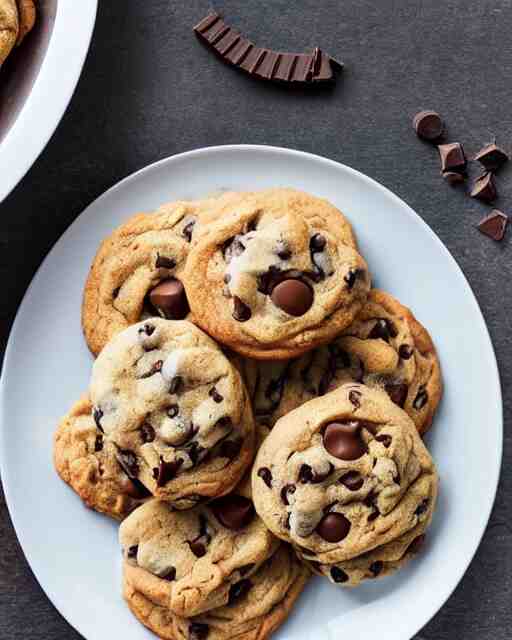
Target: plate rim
{"points": [[410, 627], [72, 34]]}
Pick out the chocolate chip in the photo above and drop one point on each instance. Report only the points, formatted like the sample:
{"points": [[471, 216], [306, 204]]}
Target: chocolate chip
{"points": [[286, 522], [173, 410], [352, 480], [156, 368], [385, 439], [98, 415], [241, 312], [147, 328], [333, 527], [355, 398], [317, 242], [428, 125], [166, 471], [283, 252], [238, 590], [405, 351], [170, 300], [294, 297], [376, 567], [98, 443], [343, 440], [198, 631], [416, 544], [351, 277], [421, 399], [136, 489], [197, 548], [115, 292], [422, 507], [215, 395], [305, 474], [383, 329], [266, 475], [494, 225], [484, 188], [453, 177], [233, 512], [147, 433], [452, 157], [128, 461], [187, 230], [170, 575], [176, 385], [288, 488], [397, 392], [491, 157], [132, 551], [338, 575], [230, 448], [164, 263], [374, 514]]}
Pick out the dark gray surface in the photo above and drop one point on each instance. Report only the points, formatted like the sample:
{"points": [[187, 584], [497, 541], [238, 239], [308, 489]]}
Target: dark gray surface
{"points": [[149, 90]]}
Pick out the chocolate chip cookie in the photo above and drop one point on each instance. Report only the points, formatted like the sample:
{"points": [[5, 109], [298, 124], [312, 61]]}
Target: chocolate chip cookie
{"points": [[192, 561], [26, 17], [275, 275], [89, 464], [385, 347], [9, 27], [344, 474], [257, 605], [176, 409]]}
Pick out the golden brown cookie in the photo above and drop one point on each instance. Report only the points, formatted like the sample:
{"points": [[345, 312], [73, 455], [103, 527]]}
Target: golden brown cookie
{"points": [[385, 347], [27, 18], [9, 27], [275, 275]]}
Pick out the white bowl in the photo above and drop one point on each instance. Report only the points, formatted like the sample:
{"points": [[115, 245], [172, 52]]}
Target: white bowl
{"points": [[37, 82]]}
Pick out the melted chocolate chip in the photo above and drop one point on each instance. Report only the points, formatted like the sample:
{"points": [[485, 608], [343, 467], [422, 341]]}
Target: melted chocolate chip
{"points": [[166, 471], [98, 443], [338, 575], [266, 475], [187, 230], [164, 263], [397, 392], [350, 278], [230, 448], [376, 567], [405, 351], [132, 551], [176, 385], [421, 399], [374, 514], [147, 433], [170, 575], [215, 395], [115, 292], [333, 527], [383, 329], [283, 252], [238, 590], [198, 631], [147, 328], [233, 512], [294, 297], [355, 398], [98, 415], [317, 243], [343, 440], [197, 548], [288, 488], [352, 480], [385, 439], [128, 461], [241, 312]]}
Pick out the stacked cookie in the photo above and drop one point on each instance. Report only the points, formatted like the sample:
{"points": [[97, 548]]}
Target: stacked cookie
{"points": [[17, 18], [255, 412]]}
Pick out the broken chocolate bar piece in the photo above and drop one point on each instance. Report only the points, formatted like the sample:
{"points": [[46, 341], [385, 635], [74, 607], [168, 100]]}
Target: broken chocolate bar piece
{"points": [[428, 125], [452, 157], [233, 48], [484, 188], [453, 177], [494, 225], [491, 157]]}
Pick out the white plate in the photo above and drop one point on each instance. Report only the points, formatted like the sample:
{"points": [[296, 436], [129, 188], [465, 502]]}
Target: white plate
{"points": [[74, 553], [36, 90]]}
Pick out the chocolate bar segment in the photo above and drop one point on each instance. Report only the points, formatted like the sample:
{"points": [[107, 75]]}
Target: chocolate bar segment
{"points": [[233, 48]]}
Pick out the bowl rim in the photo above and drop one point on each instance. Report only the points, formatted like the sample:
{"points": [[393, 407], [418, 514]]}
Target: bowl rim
{"points": [[51, 92]]}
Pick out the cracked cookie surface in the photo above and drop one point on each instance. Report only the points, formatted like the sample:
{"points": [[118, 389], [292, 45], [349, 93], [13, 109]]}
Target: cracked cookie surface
{"points": [[258, 607], [195, 560], [276, 274], [385, 347], [175, 408], [89, 464], [344, 474]]}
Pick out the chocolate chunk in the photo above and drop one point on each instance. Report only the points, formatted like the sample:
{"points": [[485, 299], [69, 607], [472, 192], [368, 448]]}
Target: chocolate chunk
{"points": [[294, 297], [173, 410], [164, 263], [384, 439], [136, 489], [132, 551], [288, 488], [170, 300], [355, 398], [187, 230], [147, 433], [484, 188], [176, 385], [338, 575], [230, 448], [333, 527], [428, 125], [98, 443], [170, 575], [128, 462], [233, 512], [98, 415], [422, 507], [215, 395], [383, 329], [198, 631], [166, 471], [197, 548], [494, 225], [238, 590], [452, 157], [352, 480], [421, 399], [266, 475], [241, 312], [397, 392], [317, 243], [343, 440], [491, 157], [416, 544], [376, 567], [453, 177], [405, 351]]}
